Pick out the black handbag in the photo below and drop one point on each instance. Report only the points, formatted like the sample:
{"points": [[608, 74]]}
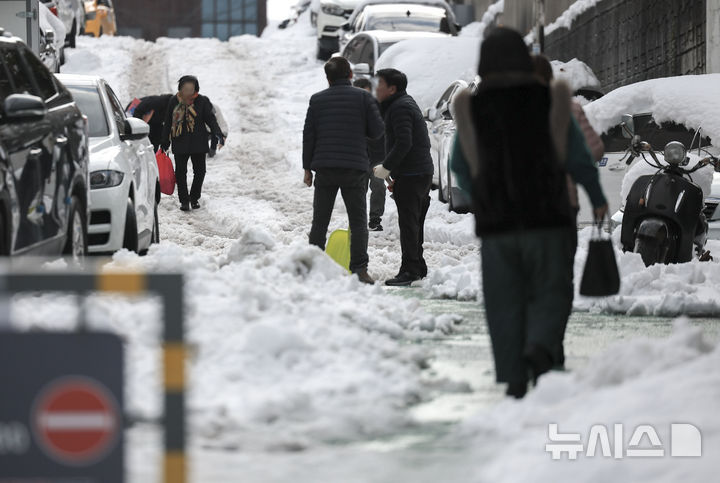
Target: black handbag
{"points": [[601, 277]]}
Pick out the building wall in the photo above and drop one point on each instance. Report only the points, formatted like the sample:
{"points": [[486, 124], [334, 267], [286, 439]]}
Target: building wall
{"points": [[190, 18], [713, 37], [630, 41], [519, 14]]}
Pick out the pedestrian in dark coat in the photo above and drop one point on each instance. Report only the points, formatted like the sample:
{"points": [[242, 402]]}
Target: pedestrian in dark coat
{"points": [[409, 163], [516, 147], [152, 110], [186, 119], [376, 152], [339, 122]]}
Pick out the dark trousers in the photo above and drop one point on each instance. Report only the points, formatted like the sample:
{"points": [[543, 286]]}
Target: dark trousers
{"points": [[377, 199], [352, 185], [198, 165], [412, 197], [528, 289]]}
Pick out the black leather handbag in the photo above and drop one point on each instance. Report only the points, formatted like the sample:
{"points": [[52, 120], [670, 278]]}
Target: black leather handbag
{"points": [[601, 277]]}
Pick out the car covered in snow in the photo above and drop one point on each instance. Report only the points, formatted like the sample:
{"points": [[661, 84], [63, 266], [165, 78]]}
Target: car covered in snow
{"points": [[72, 15], [441, 128], [330, 17], [52, 39], [124, 183], [400, 16], [364, 49]]}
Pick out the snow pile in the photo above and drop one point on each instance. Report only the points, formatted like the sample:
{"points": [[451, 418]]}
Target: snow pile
{"points": [[576, 73], [691, 289], [450, 58], [568, 17], [634, 383], [693, 101], [477, 29]]}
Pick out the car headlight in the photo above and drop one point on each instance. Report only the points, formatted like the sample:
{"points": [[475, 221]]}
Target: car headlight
{"points": [[332, 9], [105, 179]]}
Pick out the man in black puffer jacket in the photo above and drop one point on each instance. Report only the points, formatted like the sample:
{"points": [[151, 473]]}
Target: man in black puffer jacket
{"points": [[409, 163], [339, 122]]}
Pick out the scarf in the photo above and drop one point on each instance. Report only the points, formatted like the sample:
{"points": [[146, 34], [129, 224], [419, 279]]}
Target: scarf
{"points": [[184, 114]]}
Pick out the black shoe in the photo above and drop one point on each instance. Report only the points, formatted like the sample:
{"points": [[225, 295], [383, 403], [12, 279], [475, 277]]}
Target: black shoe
{"points": [[404, 279], [517, 389], [211, 153], [375, 227], [364, 277], [539, 362], [184, 207], [195, 205]]}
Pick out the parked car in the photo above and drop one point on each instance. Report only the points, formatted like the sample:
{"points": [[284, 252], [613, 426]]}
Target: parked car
{"points": [[52, 47], [124, 182], [43, 158], [441, 127], [72, 14], [400, 16], [364, 49], [100, 18]]}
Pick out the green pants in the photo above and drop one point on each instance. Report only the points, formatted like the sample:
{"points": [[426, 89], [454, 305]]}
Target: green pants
{"points": [[528, 288]]}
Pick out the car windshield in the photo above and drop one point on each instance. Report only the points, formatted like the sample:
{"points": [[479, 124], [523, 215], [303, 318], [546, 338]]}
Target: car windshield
{"points": [[657, 136], [383, 46], [88, 100], [407, 20]]}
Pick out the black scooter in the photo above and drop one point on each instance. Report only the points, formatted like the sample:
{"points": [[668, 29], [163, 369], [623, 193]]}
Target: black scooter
{"points": [[663, 219]]}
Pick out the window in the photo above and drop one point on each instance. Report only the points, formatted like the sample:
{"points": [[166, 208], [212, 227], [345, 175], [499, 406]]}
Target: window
{"points": [[226, 18], [88, 100], [6, 88], [43, 77], [116, 110], [367, 54], [354, 50], [22, 84]]}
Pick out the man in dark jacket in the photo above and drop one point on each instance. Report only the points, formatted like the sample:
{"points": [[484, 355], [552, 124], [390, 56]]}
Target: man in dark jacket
{"points": [[187, 116], [152, 110], [409, 163], [339, 122], [376, 151]]}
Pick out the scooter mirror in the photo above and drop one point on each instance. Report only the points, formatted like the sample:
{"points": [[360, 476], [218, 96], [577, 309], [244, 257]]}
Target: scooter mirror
{"points": [[628, 126]]}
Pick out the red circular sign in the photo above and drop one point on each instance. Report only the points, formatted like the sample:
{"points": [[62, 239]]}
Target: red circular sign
{"points": [[76, 421]]}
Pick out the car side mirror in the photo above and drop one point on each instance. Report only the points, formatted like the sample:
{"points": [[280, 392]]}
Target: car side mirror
{"points": [[362, 69], [24, 107], [135, 130], [628, 126], [346, 27], [50, 37]]}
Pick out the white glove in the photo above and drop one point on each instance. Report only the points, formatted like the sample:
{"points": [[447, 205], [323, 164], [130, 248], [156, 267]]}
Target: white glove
{"points": [[380, 172]]}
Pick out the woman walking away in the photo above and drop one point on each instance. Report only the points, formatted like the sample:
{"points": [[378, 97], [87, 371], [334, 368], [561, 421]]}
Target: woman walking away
{"points": [[185, 126], [517, 141]]}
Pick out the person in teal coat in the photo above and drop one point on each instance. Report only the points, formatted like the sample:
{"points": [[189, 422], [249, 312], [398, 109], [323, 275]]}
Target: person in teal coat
{"points": [[518, 154]]}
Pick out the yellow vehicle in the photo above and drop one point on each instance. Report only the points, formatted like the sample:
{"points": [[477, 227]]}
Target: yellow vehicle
{"points": [[99, 18]]}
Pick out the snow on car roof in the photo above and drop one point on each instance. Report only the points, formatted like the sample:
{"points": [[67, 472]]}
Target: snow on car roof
{"points": [[691, 100], [434, 3], [386, 36], [398, 8]]}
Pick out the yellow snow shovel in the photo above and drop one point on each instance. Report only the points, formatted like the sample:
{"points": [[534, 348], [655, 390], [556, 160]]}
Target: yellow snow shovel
{"points": [[338, 248]]}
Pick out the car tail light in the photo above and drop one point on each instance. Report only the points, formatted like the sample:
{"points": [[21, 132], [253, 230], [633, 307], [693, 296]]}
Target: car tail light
{"points": [[54, 10]]}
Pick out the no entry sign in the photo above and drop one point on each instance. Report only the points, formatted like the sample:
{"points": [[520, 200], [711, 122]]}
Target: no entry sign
{"points": [[61, 408], [76, 420]]}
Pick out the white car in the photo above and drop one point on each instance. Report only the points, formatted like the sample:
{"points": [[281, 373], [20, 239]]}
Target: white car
{"points": [[400, 16], [72, 14], [332, 14], [124, 182], [364, 49], [441, 128]]}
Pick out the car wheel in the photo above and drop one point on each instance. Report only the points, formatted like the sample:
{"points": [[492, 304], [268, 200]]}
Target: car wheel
{"points": [[76, 242], [156, 226], [323, 54], [4, 236], [62, 56], [130, 239]]}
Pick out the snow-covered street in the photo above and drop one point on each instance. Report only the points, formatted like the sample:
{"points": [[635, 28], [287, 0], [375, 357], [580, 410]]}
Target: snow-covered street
{"points": [[300, 373]]}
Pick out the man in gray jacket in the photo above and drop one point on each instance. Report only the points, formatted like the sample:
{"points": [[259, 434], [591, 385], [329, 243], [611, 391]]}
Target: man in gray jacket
{"points": [[339, 122]]}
